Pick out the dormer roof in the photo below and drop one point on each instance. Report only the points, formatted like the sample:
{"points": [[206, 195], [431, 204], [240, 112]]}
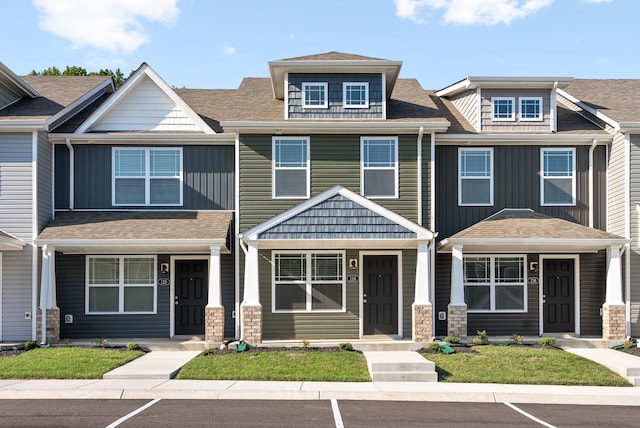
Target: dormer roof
{"points": [[501, 82]]}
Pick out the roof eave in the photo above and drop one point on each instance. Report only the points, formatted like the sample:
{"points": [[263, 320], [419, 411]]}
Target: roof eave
{"points": [[553, 138], [23, 125], [489, 82], [327, 127], [110, 137]]}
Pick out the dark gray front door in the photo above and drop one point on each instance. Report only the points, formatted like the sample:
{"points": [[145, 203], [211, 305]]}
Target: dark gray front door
{"points": [[380, 294], [558, 296], [190, 298]]}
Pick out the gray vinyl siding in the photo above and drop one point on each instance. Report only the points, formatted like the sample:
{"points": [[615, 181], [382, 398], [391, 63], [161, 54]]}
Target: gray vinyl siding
{"points": [[336, 109], [617, 185], [208, 178], [335, 160], [7, 97], [16, 294], [489, 125], [228, 282], [635, 233], [467, 103], [516, 185], [409, 260], [16, 185], [593, 280], [45, 184]]}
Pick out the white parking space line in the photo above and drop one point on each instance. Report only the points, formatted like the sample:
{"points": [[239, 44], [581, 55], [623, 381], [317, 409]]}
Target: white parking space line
{"points": [[132, 414], [337, 417], [533, 418]]}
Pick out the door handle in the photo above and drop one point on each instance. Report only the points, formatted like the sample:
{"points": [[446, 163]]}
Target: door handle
{"points": [[364, 300]]}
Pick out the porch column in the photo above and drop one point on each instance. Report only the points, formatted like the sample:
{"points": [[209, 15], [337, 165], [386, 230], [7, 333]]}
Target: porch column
{"points": [[457, 309], [48, 326], [613, 310], [422, 307], [251, 322], [214, 311]]}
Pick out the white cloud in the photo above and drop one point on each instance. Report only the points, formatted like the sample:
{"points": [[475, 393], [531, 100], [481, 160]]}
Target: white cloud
{"points": [[112, 25], [228, 50], [471, 12], [597, 1]]}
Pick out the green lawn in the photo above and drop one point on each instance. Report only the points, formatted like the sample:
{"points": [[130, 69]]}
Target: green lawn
{"points": [[293, 365], [522, 365], [64, 363]]}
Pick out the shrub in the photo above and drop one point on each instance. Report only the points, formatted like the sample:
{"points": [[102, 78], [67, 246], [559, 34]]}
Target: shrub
{"points": [[433, 346], [482, 338], [133, 346], [101, 342], [346, 346], [452, 339], [547, 341], [30, 344], [305, 343], [627, 343], [517, 339]]}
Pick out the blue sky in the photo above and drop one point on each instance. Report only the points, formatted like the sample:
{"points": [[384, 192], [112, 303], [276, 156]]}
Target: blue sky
{"points": [[215, 43]]}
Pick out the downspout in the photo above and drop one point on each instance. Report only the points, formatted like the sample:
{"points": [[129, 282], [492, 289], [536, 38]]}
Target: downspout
{"points": [[432, 227], [236, 261], [419, 148], [71, 175], [594, 143]]}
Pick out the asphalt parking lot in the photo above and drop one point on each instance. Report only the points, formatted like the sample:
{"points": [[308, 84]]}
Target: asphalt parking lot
{"points": [[299, 413]]}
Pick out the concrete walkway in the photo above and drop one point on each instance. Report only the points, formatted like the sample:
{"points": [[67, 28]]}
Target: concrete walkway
{"points": [[153, 365], [626, 365]]}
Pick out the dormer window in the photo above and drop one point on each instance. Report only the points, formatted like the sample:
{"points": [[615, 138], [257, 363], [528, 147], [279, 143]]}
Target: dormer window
{"points": [[531, 108], [314, 94], [503, 108], [355, 94]]}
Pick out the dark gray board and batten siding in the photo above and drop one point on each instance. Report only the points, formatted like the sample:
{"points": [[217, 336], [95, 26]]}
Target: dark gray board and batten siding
{"points": [[208, 177]]}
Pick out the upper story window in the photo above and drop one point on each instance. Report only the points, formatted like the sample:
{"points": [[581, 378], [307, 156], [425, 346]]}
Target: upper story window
{"points": [[475, 176], [558, 177], [503, 108], [147, 176], [355, 94], [291, 167], [379, 170], [314, 94], [531, 108], [495, 283]]}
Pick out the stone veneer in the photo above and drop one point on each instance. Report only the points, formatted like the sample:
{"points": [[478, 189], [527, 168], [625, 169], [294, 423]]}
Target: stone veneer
{"points": [[422, 323], [457, 321], [613, 322], [214, 324], [53, 325], [251, 324]]}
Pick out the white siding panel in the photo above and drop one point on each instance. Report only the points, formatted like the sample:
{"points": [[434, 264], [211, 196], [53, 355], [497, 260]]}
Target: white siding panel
{"points": [[16, 294], [146, 108], [467, 104], [616, 187], [16, 185]]}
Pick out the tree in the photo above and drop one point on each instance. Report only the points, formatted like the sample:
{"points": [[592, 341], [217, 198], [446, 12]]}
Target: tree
{"points": [[117, 75]]}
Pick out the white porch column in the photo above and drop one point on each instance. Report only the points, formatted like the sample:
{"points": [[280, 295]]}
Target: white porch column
{"points": [[251, 283], [614, 277], [422, 309], [614, 325], [215, 286], [457, 309], [50, 313]]}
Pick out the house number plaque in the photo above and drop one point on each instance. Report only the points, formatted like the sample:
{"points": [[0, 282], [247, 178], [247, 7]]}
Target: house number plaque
{"points": [[352, 278]]}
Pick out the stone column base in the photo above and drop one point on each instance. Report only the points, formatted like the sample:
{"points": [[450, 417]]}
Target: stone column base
{"points": [[422, 322], [457, 321], [214, 324], [251, 323], [53, 325], [614, 325]]}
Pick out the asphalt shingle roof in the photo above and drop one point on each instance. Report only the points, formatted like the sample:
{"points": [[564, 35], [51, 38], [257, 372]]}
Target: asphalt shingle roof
{"points": [[618, 99]]}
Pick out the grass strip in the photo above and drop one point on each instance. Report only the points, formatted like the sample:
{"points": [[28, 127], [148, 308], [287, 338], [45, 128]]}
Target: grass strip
{"points": [[64, 363], [522, 365], [280, 365]]}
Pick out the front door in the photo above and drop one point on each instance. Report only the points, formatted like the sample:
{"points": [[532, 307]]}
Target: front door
{"points": [[558, 296], [191, 278], [380, 294]]}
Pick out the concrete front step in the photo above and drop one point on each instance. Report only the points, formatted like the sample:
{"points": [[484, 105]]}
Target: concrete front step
{"points": [[400, 366]]}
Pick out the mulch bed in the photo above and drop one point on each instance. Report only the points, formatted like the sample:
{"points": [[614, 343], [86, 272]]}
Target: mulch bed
{"points": [[632, 351], [256, 349], [471, 348]]}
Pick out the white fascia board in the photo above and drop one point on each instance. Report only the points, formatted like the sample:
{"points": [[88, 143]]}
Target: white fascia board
{"points": [[81, 100], [137, 138], [328, 127], [630, 127], [552, 139], [459, 86], [524, 82], [98, 242], [589, 109], [19, 86], [23, 125], [9, 242], [330, 244]]}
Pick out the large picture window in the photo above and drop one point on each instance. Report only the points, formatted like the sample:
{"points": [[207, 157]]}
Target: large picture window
{"points": [[495, 283], [308, 282], [558, 182], [147, 176], [291, 167], [121, 284], [379, 172], [475, 177]]}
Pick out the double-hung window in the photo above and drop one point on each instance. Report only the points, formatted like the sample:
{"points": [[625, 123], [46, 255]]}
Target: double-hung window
{"points": [[147, 176], [355, 94], [503, 108], [314, 95], [558, 176], [308, 282], [379, 167], [121, 284], [531, 108], [291, 167], [495, 283], [475, 176]]}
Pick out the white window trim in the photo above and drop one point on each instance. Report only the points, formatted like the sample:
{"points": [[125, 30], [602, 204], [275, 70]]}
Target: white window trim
{"points": [[366, 97], [543, 178], [325, 85], [121, 286], [394, 168], [308, 283], [492, 284], [530, 119], [274, 169], [512, 118], [147, 176], [460, 178]]}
